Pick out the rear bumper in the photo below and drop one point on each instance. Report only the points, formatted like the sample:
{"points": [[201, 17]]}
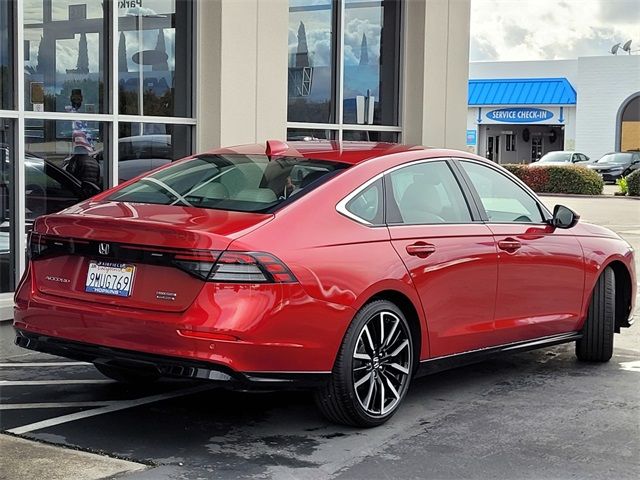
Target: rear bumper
{"points": [[254, 331], [166, 366]]}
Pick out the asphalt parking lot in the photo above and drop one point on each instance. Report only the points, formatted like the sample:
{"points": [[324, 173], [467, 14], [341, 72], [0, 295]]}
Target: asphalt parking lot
{"points": [[530, 415]]}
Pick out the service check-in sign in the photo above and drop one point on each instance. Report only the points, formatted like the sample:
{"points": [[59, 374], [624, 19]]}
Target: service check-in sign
{"points": [[523, 115], [520, 115]]}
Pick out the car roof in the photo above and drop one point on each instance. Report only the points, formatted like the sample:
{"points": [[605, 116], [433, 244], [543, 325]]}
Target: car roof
{"points": [[345, 152]]}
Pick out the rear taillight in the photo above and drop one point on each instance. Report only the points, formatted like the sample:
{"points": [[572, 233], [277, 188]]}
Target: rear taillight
{"points": [[234, 267], [250, 267], [197, 263]]}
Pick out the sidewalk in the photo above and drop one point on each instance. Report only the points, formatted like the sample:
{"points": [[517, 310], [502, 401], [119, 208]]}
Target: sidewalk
{"points": [[26, 460]]}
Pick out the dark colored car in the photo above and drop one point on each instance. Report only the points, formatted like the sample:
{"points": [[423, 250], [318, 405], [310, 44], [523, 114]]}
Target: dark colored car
{"points": [[349, 268], [48, 189], [614, 166]]}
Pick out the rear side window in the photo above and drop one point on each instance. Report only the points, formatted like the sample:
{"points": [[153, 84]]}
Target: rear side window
{"points": [[246, 183], [368, 204]]}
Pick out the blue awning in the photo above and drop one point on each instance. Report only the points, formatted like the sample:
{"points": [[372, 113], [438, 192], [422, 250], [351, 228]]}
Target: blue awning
{"points": [[521, 91]]}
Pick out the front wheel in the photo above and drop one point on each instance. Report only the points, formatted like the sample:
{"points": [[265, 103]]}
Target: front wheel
{"points": [[373, 369], [596, 344]]}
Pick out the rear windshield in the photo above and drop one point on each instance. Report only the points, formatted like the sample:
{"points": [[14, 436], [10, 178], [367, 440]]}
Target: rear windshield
{"points": [[245, 183]]}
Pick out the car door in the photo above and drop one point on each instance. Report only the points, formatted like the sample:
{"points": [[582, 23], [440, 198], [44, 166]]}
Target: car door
{"points": [[449, 253], [540, 268]]}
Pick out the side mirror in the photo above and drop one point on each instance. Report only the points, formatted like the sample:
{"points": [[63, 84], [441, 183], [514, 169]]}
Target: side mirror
{"points": [[564, 217]]}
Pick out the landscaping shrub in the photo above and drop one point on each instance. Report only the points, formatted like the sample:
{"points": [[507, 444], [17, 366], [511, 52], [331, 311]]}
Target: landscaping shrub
{"points": [[633, 183], [569, 179]]}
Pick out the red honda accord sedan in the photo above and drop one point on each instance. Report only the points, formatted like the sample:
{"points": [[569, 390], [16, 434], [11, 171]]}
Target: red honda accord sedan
{"points": [[349, 268]]}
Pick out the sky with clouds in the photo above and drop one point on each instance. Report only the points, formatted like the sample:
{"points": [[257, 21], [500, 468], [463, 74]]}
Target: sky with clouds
{"points": [[508, 30]]}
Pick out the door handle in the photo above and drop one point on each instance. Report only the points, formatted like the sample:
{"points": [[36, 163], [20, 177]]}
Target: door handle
{"points": [[421, 249], [509, 244]]}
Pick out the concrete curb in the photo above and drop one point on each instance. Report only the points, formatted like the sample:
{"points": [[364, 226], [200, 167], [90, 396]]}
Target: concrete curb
{"points": [[575, 195]]}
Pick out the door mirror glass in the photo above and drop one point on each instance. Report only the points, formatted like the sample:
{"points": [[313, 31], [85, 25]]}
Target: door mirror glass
{"points": [[564, 217]]}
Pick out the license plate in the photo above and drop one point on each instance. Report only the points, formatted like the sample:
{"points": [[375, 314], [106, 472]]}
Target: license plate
{"points": [[110, 278]]}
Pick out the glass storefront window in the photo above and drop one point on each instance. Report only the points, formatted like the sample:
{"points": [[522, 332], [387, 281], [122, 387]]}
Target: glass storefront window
{"points": [[6, 55], [308, 134], [64, 56], [362, 37], [145, 146], [311, 60], [63, 164], [368, 136], [7, 263], [371, 62], [154, 58]]}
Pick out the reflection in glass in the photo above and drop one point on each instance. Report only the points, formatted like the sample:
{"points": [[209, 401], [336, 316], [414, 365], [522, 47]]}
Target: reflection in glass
{"points": [[6, 56], [64, 61], [7, 272], [367, 136], [62, 164], [371, 61], [145, 146], [308, 134], [154, 58], [311, 54]]}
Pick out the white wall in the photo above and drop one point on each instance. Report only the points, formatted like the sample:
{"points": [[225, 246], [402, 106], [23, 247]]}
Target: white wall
{"points": [[604, 83], [531, 69]]}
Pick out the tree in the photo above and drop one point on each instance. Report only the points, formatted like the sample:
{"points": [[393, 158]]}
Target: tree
{"points": [[302, 53], [123, 66], [364, 51], [83, 55], [162, 49]]}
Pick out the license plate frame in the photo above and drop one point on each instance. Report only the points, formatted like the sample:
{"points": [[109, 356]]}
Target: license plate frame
{"points": [[110, 278]]}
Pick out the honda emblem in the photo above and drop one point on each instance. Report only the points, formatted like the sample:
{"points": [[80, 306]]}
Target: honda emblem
{"points": [[103, 249]]}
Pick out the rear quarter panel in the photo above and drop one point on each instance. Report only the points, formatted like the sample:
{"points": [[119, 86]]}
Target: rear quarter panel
{"points": [[338, 260]]}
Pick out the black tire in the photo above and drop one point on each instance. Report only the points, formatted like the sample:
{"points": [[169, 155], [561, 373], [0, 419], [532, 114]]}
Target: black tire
{"points": [[126, 375], [596, 344], [388, 370]]}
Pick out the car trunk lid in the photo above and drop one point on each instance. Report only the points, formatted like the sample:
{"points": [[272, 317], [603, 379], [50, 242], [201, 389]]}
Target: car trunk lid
{"points": [[163, 251]]}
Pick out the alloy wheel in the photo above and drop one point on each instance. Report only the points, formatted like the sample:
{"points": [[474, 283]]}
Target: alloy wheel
{"points": [[382, 361]]}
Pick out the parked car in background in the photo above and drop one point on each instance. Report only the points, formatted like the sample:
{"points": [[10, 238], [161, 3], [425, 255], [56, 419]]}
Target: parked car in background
{"points": [[616, 165], [48, 189], [346, 267], [563, 157]]}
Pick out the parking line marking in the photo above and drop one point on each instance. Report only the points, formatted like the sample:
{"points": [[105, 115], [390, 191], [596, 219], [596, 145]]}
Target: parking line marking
{"points": [[27, 406], [21, 383], [108, 409], [42, 364]]}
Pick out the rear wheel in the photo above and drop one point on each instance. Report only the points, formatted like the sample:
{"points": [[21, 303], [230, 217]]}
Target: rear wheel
{"points": [[596, 344], [373, 368], [126, 375]]}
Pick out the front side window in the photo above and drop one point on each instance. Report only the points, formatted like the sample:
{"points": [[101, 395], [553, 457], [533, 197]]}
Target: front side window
{"points": [[503, 200], [245, 183], [425, 193]]}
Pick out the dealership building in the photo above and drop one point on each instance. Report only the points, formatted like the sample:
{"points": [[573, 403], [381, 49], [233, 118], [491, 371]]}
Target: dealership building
{"points": [[139, 83], [518, 111]]}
